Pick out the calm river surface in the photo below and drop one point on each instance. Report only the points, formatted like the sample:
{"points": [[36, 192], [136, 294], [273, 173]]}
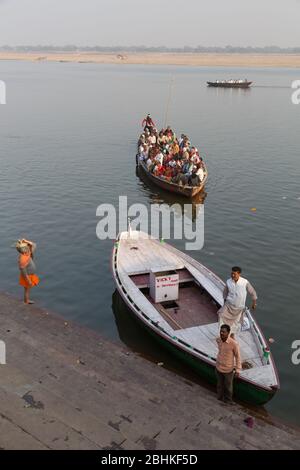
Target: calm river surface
{"points": [[68, 140]]}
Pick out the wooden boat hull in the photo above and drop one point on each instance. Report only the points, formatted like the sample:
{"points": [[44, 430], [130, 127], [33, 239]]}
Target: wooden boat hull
{"points": [[244, 392], [229, 85], [245, 389], [187, 191]]}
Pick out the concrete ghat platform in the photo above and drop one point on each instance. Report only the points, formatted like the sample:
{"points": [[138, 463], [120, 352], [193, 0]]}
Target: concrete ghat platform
{"points": [[65, 387]]}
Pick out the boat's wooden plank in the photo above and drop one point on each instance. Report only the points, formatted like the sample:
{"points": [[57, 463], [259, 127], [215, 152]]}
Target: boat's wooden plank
{"points": [[218, 283], [211, 330], [132, 261], [193, 308], [197, 339], [249, 342], [143, 304], [205, 340], [206, 283], [247, 337], [142, 280], [248, 349], [215, 280], [248, 354], [148, 256], [263, 375], [185, 275]]}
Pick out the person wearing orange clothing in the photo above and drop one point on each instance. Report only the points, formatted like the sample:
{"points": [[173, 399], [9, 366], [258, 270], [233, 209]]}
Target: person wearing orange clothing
{"points": [[175, 149], [28, 277]]}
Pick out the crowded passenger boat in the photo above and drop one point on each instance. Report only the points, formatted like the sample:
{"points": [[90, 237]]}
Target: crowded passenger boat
{"points": [[171, 162], [230, 83]]}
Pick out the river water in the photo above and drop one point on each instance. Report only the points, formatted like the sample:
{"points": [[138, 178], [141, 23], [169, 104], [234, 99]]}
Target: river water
{"points": [[68, 141]]}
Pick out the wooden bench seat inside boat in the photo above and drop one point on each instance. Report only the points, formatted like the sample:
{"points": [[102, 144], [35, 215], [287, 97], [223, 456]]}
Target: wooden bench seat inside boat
{"points": [[143, 280]]}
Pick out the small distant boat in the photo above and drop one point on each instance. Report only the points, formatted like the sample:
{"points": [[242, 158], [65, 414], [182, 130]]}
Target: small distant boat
{"points": [[176, 299], [230, 83], [184, 190]]}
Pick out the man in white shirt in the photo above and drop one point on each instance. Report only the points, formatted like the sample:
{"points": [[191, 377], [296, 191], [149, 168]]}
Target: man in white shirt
{"points": [[159, 158], [144, 154], [141, 149], [235, 294], [200, 173], [152, 138]]}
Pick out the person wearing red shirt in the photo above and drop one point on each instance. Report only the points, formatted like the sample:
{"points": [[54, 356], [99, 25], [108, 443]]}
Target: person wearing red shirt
{"points": [[148, 123]]}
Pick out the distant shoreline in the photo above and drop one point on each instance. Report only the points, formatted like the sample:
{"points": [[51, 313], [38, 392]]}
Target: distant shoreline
{"points": [[163, 58]]}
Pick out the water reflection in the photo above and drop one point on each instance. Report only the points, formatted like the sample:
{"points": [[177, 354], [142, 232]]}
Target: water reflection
{"points": [[229, 91]]}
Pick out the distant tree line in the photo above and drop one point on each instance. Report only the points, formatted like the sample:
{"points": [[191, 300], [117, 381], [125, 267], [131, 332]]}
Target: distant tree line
{"points": [[132, 49]]}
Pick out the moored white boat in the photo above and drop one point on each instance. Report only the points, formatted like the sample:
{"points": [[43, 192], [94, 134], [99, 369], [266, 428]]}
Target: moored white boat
{"points": [[176, 299]]}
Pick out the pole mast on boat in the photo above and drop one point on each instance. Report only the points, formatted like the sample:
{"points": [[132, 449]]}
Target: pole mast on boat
{"points": [[168, 102]]}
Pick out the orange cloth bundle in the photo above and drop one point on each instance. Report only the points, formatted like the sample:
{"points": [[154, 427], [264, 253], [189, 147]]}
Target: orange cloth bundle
{"points": [[33, 278]]}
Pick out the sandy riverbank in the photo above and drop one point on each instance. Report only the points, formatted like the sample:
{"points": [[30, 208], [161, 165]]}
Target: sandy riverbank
{"points": [[200, 60]]}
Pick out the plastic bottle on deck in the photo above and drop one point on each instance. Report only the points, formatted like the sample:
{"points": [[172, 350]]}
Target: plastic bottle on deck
{"points": [[266, 355]]}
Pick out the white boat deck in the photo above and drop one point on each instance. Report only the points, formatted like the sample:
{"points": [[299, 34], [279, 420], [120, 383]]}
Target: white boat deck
{"points": [[141, 255], [204, 338]]}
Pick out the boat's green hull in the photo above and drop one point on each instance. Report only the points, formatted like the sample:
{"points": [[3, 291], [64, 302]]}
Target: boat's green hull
{"points": [[244, 391]]}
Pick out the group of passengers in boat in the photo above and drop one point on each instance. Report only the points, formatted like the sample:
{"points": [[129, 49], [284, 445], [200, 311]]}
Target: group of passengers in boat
{"points": [[172, 159], [232, 81]]}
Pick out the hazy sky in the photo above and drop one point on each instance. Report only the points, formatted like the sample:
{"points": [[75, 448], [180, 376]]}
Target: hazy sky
{"points": [[150, 23]]}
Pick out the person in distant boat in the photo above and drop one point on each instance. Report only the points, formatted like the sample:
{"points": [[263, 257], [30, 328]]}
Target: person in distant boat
{"points": [[228, 364], [28, 277], [152, 138], [175, 149], [235, 294], [159, 158], [199, 171], [194, 179], [162, 139], [180, 141], [148, 123], [141, 147], [142, 140], [149, 162]]}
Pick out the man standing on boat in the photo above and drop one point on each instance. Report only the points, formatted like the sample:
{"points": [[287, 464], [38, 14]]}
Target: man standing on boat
{"points": [[148, 123], [228, 364], [235, 294]]}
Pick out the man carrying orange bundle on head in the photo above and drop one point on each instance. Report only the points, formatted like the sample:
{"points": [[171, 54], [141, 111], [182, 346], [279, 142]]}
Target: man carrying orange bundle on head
{"points": [[28, 278]]}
